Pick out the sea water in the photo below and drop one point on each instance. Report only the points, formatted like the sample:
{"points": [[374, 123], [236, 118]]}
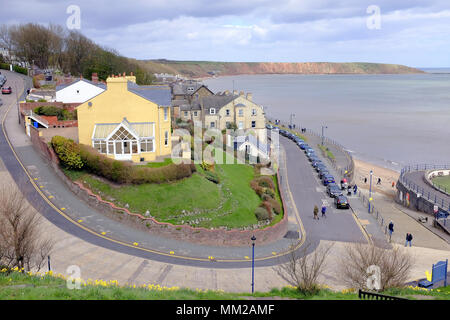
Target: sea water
{"points": [[389, 120]]}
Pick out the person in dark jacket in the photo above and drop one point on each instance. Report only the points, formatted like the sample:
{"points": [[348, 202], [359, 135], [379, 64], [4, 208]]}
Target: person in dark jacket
{"points": [[391, 229], [355, 188], [324, 210], [409, 238]]}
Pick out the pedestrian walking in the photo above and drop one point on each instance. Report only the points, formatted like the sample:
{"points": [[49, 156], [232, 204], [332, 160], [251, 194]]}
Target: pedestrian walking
{"points": [[349, 190], [393, 184], [355, 188], [324, 210], [379, 181], [365, 180], [316, 211], [409, 238], [391, 229]]}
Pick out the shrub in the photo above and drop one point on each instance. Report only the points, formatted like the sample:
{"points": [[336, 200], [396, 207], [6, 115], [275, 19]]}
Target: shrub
{"points": [[261, 214], [269, 192], [266, 182], [68, 152], [275, 205], [20, 69], [266, 205], [4, 66]]}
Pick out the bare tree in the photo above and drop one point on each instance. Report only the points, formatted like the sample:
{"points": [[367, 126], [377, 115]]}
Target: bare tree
{"points": [[302, 269], [21, 242], [394, 266]]}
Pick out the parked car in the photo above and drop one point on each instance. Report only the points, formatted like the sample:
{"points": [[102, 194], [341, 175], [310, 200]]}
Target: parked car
{"points": [[316, 163], [333, 190], [2, 80], [6, 90], [269, 126], [283, 132], [302, 146], [323, 172], [313, 158], [321, 166], [328, 179], [341, 202]]}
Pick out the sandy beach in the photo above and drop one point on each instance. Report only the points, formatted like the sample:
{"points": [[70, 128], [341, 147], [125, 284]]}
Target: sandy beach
{"points": [[388, 176]]}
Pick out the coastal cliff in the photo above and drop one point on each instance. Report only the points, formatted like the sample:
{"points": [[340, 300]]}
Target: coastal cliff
{"points": [[196, 69]]}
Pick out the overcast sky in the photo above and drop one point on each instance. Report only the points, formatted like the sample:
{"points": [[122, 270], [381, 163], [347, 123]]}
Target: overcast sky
{"points": [[413, 32]]}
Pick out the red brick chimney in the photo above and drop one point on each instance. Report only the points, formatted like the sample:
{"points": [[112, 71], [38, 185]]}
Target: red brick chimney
{"points": [[94, 77]]}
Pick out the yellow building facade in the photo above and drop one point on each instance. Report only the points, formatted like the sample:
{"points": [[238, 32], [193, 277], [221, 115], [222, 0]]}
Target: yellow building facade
{"points": [[127, 121]]}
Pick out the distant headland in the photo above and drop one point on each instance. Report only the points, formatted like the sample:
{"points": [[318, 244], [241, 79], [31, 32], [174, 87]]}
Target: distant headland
{"points": [[200, 69]]}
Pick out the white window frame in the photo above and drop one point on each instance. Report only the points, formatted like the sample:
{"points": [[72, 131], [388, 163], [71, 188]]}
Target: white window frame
{"points": [[195, 113], [253, 122], [166, 138], [241, 112], [166, 114], [211, 110]]}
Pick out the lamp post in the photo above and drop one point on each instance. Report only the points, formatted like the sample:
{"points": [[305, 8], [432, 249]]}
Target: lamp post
{"points": [[370, 188], [323, 127], [290, 119], [253, 263]]}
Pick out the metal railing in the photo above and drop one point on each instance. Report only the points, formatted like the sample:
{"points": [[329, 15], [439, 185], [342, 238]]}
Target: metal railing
{"points": [[376, 296], [431, 196], [376, 214]]}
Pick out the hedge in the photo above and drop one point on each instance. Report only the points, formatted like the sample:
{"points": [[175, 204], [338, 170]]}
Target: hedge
{"points": [[68, 152], [72, 155], [20, 69], [4, 66]]}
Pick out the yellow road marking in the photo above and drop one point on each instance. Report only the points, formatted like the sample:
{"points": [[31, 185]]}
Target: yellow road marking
{"points": [[103, 233], [80, 221], [246, 257], [135, 244], [171, 252], [63, 209]]}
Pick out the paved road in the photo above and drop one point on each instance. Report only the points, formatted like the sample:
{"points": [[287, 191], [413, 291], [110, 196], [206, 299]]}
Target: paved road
{"points": [[339, 225]]}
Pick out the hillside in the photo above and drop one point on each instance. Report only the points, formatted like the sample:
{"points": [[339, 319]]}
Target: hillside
{"points": [[197, 69]]}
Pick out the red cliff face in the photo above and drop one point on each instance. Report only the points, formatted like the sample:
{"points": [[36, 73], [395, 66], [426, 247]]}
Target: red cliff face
{"points": [[198, 69]]}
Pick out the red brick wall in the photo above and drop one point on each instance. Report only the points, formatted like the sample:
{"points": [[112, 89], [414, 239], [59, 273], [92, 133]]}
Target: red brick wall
{"points": [[42, 147]]}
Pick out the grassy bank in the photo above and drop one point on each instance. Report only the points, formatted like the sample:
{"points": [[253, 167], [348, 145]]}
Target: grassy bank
{"points": [[442, 182], [48, 286], [196, 200], [326, 152]]}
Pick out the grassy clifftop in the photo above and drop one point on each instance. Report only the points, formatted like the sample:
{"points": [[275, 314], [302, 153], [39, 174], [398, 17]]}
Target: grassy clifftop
{"points": [[207, 68]]}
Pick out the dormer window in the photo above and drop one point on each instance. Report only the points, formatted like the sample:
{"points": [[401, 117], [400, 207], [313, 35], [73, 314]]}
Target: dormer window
{"points": [[212, 111], [253, 112]]}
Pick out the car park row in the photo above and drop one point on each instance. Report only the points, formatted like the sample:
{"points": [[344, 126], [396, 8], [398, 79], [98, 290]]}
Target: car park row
{"points": [[333, 190]]}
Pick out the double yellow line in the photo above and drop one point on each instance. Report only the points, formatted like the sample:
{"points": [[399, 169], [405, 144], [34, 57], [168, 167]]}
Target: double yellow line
{"points": [[124, 243]]}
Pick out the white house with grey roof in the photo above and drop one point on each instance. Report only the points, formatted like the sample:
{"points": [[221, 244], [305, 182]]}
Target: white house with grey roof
{"points": [[79, 91]]}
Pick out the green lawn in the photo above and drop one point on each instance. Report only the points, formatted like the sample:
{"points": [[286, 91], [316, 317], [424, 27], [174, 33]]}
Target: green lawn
{"points": [[442, 182], [22, 286], [166, 162], [231, 203]]}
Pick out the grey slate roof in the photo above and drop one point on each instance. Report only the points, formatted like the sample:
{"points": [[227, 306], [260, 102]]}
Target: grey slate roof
{"points": [[99, 84], [182, 88], [159, 94]]}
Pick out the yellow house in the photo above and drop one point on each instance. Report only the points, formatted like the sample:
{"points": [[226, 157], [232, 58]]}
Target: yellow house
{"points": [[127, 121]]}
